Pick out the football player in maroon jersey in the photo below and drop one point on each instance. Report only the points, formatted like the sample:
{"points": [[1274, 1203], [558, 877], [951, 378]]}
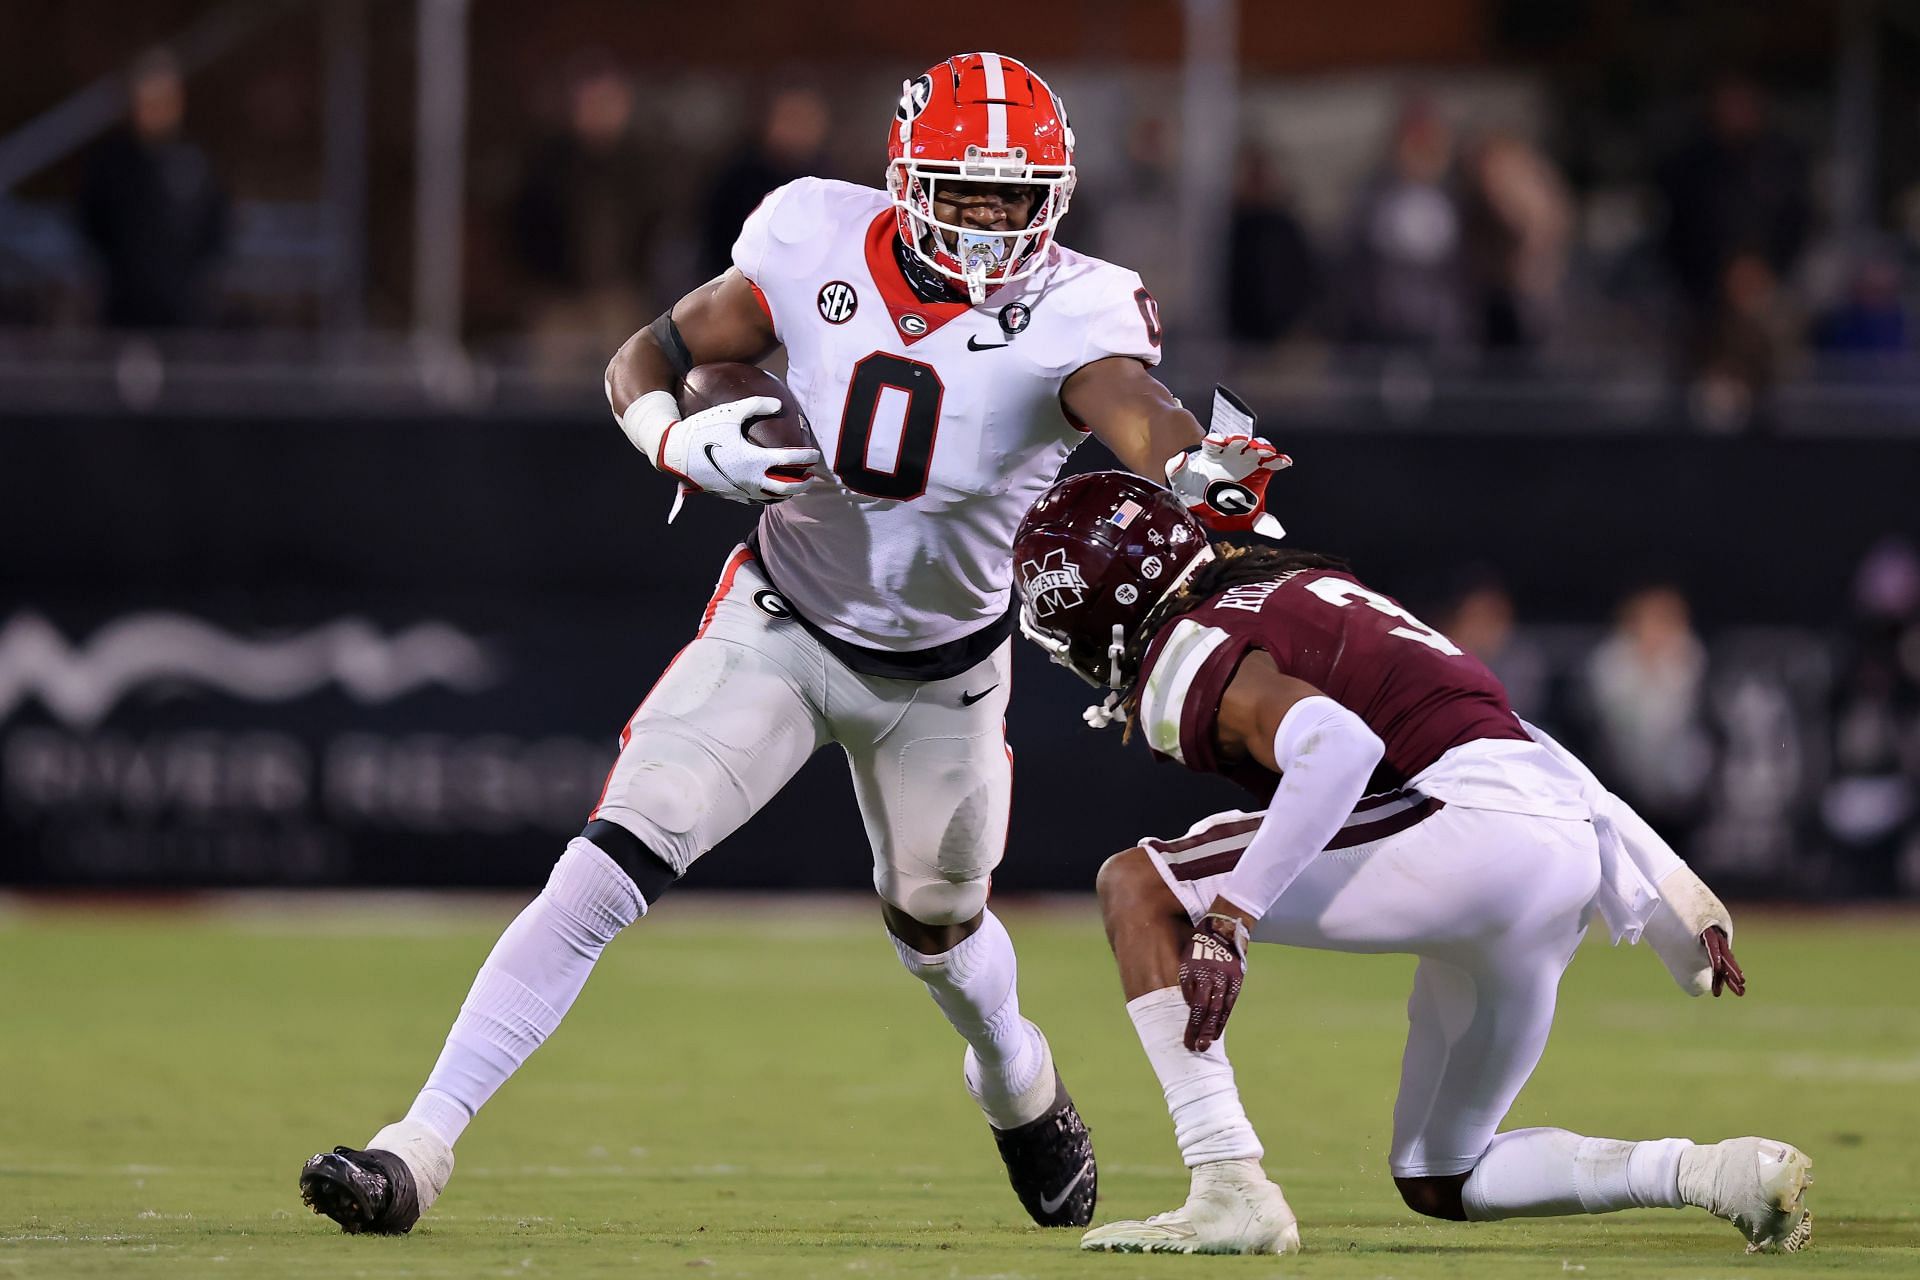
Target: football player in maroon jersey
{"points": [[1405, 809]]}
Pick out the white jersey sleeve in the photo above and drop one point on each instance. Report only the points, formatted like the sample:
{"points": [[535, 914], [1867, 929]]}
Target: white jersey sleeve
{"points": [[1121, 319], [785, 223]]}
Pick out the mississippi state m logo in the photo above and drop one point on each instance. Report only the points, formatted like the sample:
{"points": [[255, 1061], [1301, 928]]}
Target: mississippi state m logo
{"points": [[1053, 583]]}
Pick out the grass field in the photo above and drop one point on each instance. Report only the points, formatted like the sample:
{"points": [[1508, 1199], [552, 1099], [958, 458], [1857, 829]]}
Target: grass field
{"points": [[756, 1089]]}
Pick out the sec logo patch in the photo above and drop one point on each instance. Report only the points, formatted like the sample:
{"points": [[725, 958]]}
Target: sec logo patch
{"points": [[838, 302]]}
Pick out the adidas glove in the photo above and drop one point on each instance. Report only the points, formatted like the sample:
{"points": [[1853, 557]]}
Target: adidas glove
{"points": [[1212, 967]]}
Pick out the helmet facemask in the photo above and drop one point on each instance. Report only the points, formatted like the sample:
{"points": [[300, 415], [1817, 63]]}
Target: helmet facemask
{"points": [[978, 259], [1117, 666], [974, 257]]}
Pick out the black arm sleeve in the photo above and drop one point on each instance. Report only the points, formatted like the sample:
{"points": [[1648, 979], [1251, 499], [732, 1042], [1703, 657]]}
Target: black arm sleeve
{"points": [[667, 334]]}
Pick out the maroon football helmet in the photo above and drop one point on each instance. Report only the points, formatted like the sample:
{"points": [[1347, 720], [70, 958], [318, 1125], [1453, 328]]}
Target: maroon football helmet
{"points": [[1092, 559]]}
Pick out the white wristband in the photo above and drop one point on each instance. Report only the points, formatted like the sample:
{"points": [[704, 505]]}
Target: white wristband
{"points": [[646, 421]]}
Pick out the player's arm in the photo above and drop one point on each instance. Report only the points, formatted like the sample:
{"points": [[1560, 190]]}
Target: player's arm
{"points": [[1691, 930], [708, 452], [1224, 482], [1324, 755], [1131, 412]]}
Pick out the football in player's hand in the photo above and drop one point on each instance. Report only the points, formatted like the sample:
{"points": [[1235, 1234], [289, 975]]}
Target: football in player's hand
{"points": [[711, 384]]}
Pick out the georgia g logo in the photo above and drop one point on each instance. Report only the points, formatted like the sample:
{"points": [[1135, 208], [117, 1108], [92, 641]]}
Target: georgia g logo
{"points": [[1230, 498], [1053, 583], [913, 97]]}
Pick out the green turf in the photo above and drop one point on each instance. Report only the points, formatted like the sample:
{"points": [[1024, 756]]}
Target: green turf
{"points": [[759, 1090]]}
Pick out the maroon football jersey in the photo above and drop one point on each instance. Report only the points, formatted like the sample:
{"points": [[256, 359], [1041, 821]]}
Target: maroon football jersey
{"points": [[1414, 688]]}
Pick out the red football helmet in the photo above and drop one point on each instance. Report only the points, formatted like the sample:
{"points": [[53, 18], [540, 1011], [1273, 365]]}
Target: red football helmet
{"points": [[1094, 557], [979, 117]]}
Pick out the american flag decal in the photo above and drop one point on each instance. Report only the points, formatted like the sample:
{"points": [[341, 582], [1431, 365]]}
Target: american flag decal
{"points": [[1123, 516]]}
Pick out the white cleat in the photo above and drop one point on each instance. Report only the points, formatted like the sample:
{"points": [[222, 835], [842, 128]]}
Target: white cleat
{"points": [[1233, 1208], [1757, 1184], [428, 1159]]}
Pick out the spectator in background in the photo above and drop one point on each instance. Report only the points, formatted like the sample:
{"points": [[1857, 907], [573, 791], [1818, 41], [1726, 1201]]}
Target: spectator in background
{"points": [[1738, 208], [790, 145], [1480, 619], [1645, 684], [153, 209], [1405, 283], [1871, 807], [1273, 274], [1519, 219], [587, 212], [1134, 210], [1740, 354], [1871, 320]]}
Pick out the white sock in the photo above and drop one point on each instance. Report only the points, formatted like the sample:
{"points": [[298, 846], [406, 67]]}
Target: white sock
{"points": [[1542, 1173], [1208, 1121], [975, 985], [527, 984]]}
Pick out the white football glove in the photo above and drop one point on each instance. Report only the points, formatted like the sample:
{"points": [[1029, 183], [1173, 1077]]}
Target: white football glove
{"points": [[708, 452], [1224, 481]]}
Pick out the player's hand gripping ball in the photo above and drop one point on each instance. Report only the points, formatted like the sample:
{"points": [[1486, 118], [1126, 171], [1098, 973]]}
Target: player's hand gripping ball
{"points": [[1212, 967], [742, 436]]}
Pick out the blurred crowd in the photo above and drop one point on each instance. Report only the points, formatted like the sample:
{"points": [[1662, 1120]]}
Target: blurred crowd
{"points": [[1459, 244], [153, 210], [1772, 757]]}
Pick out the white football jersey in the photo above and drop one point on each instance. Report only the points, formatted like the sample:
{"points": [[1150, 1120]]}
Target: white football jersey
{"points": [[941, 422]]}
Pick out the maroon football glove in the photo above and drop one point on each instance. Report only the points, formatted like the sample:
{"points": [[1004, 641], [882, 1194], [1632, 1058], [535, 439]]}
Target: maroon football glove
{"points": [[1212, 967], [1726, 970]]}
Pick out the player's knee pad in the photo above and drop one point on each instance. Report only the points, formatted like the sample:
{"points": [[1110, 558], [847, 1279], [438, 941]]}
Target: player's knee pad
{"points": [[589, 888], [933, 901], [665, 789]]}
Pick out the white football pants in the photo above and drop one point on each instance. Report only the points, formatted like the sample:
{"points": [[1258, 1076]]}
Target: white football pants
{"points": [[740, 709], [1494, 904]]}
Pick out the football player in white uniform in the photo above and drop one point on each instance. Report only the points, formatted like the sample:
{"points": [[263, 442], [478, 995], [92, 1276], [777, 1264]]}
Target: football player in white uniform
{"points": [[949, 354]]}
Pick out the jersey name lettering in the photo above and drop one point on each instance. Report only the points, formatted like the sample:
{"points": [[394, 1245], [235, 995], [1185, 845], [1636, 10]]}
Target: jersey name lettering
{"points": [[1250, 596]]}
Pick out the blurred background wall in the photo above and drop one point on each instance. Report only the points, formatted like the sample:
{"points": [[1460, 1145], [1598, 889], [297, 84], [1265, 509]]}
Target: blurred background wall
{"points": [[320, 563]]}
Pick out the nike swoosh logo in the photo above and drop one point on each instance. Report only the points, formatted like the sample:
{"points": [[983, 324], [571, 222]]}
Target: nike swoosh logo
{"points": [[968, 699], [1052, 1205], [974, 344]]}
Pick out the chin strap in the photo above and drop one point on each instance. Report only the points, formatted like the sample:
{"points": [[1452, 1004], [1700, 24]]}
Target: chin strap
{"points": [[977, 283], [1103, 714], [1099, 717]]}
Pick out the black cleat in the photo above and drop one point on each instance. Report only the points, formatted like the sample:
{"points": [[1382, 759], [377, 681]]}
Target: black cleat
{"points": [[366, 1192], [1050, 1163]]}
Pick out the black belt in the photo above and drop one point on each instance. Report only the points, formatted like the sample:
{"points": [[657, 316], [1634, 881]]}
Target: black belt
{"points": [[925, 665]]}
